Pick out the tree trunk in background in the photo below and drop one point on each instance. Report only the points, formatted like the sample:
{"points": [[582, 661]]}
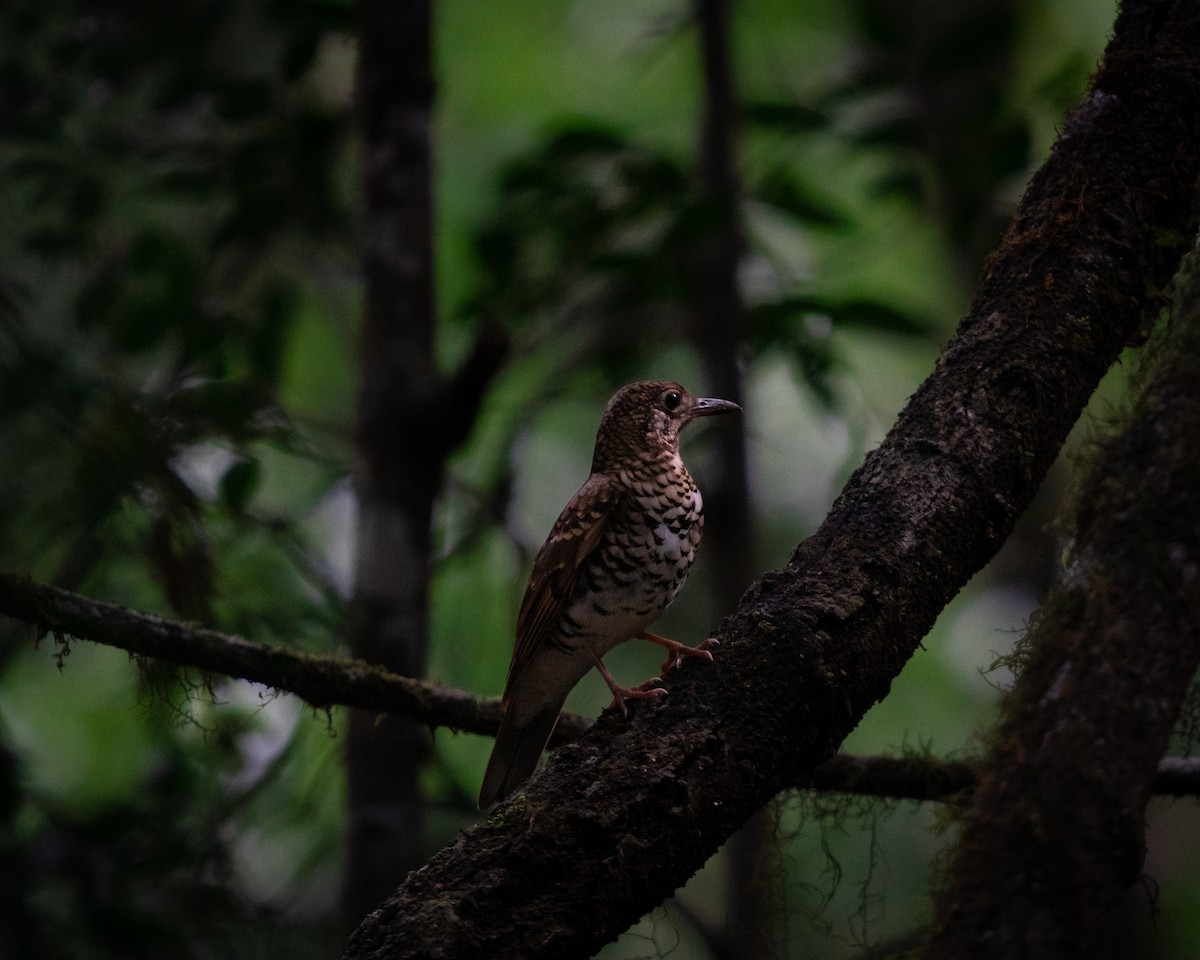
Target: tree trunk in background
{"points": [[397, 481], [716, 316], [411, 416], [969, 146]]}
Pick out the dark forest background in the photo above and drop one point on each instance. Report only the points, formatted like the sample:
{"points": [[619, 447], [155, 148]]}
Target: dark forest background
{"points": [[273, 272]]}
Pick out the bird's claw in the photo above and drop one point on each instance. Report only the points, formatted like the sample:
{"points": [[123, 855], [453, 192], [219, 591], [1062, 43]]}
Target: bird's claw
{"points": [[647, 690], [676, 651]]}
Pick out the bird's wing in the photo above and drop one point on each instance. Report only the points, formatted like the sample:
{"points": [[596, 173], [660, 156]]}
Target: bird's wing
{"points": [[576, 533]]}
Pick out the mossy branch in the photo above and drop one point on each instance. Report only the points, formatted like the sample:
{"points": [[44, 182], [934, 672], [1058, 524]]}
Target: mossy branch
{"points": [[326, 681], [322, 681]]}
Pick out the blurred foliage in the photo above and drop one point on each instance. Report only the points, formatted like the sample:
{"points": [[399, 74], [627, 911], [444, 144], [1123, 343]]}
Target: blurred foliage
{"points": [[175, 192], [587, 246], [178, 296], [169, 197]]}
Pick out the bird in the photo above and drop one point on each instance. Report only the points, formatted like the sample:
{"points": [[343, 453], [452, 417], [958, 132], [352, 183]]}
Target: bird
{"points": [[614, 560]]}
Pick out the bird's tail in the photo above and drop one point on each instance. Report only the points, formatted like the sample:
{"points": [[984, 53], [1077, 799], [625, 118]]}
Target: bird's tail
{"points": [[516, 753]]}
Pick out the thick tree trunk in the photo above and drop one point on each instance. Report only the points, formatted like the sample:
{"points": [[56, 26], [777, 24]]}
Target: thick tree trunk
{"points": [[1055, 833], [620, 818]]}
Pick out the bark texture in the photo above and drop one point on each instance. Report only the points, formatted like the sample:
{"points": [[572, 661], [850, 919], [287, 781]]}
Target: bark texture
{"points": [[622, 817], [1055, 833]]}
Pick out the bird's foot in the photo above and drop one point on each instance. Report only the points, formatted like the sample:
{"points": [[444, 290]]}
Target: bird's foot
{"points": [[648, 690], [676, 651], [643, 691]]}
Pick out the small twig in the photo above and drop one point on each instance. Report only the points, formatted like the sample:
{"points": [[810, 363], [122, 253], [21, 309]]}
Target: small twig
{"points": [[919, 777], [926, 778]]}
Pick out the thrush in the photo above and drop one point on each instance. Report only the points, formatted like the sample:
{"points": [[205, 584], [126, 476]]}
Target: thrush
{"points": [[615, 559]]}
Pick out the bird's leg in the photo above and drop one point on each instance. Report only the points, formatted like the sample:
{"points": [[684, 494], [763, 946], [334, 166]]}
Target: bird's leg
{"points": [[676, 651], [643, 691]]}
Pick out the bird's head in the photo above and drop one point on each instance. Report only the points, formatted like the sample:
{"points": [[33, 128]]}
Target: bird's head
{"points": [[645, 418]]}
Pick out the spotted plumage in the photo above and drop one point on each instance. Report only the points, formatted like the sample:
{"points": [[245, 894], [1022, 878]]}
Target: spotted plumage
{"points": [[615, 559]]}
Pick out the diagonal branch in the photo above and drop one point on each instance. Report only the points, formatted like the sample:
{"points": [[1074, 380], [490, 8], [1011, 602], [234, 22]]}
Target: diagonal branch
{"points": [[623, 816]]}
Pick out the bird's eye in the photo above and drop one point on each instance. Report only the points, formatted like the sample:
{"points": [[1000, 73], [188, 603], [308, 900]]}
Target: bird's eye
{"points": [[671, 399]]}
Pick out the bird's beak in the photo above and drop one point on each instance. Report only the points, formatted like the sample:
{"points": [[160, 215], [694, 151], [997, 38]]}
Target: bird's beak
{"points": [[710, 407]]}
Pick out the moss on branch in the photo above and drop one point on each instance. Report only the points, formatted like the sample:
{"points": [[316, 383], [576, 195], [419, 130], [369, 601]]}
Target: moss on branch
{"points": [[322, 681]]}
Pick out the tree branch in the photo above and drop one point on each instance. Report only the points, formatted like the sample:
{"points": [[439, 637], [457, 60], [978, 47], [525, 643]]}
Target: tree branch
{"points": [[337, 681], [616, 821], [322, 681], [951, 781]]}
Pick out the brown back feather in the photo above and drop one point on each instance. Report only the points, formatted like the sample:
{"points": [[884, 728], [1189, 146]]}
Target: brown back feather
{"points": [[577, 532]]}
